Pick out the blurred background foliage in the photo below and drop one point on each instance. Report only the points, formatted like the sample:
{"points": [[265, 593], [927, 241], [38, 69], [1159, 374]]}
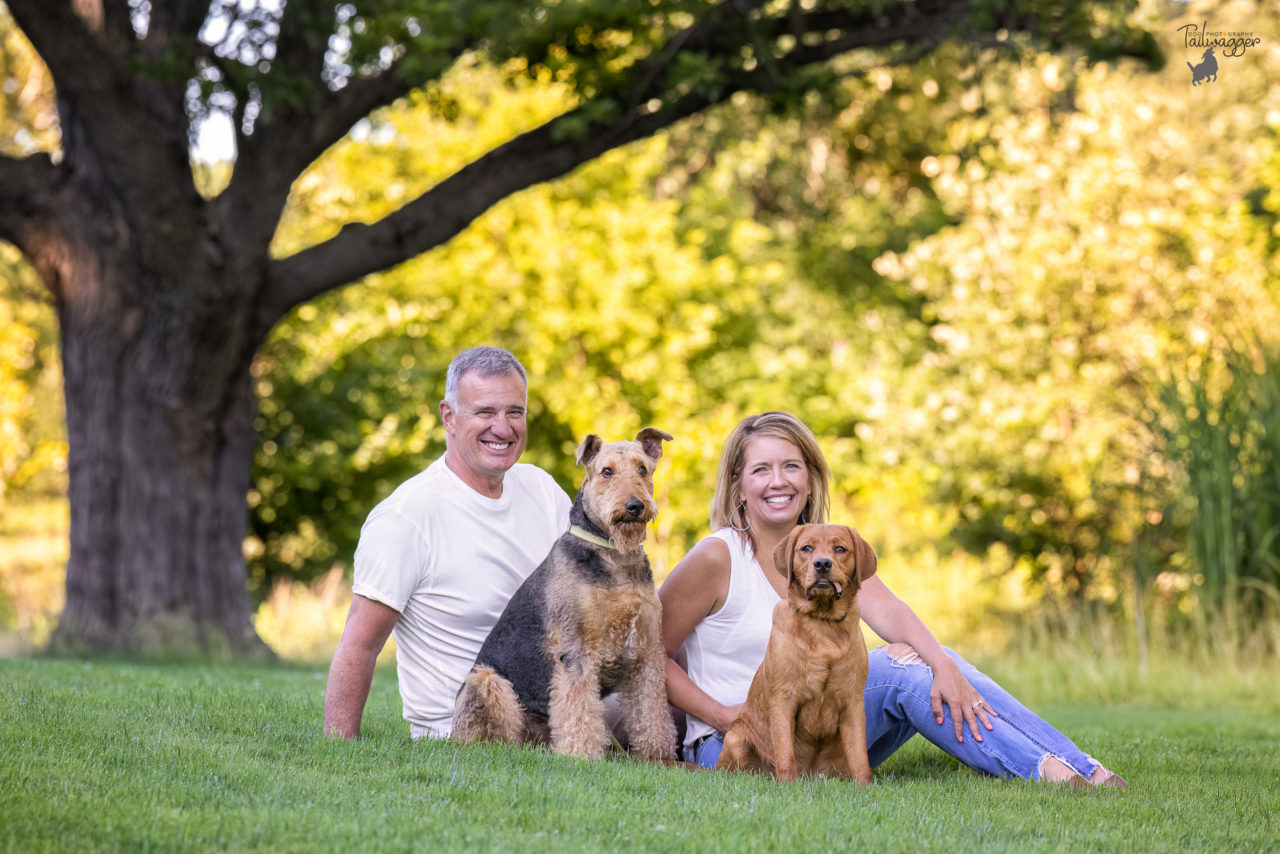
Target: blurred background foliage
{"points": [[1030, 312]]}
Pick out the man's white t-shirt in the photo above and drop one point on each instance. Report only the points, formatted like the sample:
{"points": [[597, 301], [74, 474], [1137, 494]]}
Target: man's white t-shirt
{"points": [[449, 559]]}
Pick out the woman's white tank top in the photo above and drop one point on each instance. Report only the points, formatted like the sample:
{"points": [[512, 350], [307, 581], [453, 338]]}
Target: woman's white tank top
{"points": [[725, 649]]}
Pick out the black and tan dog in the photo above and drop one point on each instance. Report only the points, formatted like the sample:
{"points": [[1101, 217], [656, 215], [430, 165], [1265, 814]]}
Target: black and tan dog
{"points": [[804, 711], [584, 625]]}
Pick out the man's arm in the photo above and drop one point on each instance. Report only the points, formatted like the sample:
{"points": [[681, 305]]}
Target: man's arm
{"points": [[369, 624]]}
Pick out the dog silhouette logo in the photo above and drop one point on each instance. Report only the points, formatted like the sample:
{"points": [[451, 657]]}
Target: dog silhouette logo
{"points": [[1206, 71]]}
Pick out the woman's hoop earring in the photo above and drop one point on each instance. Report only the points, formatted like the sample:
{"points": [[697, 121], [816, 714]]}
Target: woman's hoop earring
{"points": [[804, 514], [744, 528]]}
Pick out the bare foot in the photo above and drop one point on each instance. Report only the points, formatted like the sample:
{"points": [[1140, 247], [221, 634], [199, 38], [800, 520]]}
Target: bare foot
{"points": [[1102, 777], [1054, 771]]}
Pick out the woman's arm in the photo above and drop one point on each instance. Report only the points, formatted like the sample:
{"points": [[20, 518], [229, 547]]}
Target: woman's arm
{"points": [[892, 619], [695, 589]]}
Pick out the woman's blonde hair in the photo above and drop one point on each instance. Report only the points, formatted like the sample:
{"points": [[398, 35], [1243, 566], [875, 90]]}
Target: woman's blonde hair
{"points": [[727, 505]]}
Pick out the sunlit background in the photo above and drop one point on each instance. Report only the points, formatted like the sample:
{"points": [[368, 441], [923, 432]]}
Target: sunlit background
{"points": [[1031, 316]]}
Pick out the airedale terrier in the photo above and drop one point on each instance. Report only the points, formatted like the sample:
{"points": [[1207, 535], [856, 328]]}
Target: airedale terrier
{"points": [[584, 625]]}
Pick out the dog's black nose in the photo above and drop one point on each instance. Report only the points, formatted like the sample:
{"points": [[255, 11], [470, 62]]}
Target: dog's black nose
{"points": [[822, 564], [635, 506]]}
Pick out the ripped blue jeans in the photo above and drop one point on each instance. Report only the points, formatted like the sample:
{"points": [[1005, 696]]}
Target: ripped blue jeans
{"points": [[898, 707]]}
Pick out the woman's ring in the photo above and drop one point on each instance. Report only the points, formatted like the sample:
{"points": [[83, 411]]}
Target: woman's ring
{"points": [[978, 703]]}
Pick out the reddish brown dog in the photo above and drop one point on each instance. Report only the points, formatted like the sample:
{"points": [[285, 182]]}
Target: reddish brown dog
{"points": [[804, 712]]}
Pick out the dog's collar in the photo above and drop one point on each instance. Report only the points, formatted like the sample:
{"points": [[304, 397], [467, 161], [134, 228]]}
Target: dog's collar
{"points": [[584, 534]]}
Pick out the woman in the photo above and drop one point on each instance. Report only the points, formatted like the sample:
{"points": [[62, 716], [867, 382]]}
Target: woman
{"points": [[717, 607]]}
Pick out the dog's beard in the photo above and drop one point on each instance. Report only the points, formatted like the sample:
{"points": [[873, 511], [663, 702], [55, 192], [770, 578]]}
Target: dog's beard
{"points": [[627, 536]]}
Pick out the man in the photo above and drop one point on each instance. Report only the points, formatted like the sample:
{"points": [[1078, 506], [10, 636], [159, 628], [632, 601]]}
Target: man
{"points": [[441, 556]]}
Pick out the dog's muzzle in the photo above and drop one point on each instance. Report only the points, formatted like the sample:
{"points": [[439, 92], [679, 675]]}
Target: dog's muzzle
{"points": [[634, 512], [824, 586]]}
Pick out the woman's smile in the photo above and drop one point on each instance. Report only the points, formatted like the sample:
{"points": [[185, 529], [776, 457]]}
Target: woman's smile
{"points": [[774, 481]]}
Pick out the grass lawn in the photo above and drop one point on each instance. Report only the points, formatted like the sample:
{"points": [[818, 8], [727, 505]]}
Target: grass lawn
{"points": [[109, 755]]}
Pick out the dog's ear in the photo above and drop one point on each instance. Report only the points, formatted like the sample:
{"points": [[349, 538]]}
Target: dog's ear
{"points": [[651, 439], [589, 448], [782, 554], [864, 557]]}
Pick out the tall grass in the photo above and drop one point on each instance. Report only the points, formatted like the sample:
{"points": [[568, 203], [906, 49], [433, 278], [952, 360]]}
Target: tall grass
{"points": [[33, 556], [1093, 655], [1221, 429], [303, 622]]}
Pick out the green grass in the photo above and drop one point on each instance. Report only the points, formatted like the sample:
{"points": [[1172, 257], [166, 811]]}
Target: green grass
{"points": [[110, 755]]}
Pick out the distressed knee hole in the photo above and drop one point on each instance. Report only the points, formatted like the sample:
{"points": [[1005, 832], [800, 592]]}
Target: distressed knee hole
{"points": [[902, 653]]}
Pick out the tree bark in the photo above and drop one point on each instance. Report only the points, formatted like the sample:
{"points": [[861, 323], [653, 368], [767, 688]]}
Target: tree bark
{"points": [[157, 480], [158, 336]]}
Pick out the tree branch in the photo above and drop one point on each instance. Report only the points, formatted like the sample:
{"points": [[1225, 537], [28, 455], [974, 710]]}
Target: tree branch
{"points": [[26, 185], [282, 144], [272, 157], [291, 141], [177, 18], [64, 43], [134, 133], [902, 23], [546, 152], [118, 21], [440, 213], [291, 136]]}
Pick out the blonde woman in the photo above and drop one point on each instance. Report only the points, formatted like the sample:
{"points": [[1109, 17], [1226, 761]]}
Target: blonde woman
{"points": [[717, 607]]}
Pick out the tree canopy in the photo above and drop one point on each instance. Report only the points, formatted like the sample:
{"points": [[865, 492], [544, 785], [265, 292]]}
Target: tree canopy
{"points": [[368, 135]]}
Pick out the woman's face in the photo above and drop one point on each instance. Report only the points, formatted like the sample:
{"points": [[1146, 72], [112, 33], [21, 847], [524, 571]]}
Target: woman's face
{"points": [[774, 481]]}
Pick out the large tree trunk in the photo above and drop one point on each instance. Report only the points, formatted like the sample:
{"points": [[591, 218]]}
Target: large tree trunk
{"points": [[157, 494], [158, 515], [159, 426]]}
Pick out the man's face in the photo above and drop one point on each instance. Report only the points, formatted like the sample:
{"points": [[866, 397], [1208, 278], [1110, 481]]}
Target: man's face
{"points": [[487, 431]]}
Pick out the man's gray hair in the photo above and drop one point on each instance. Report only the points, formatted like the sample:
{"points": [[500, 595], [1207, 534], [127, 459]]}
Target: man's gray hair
{"points": [[483, 360]]}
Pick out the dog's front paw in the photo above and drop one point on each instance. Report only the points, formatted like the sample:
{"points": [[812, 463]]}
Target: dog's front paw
{"points": [[589, 751], [654, 752], [654, 739], [584, 742], [787, 773]]}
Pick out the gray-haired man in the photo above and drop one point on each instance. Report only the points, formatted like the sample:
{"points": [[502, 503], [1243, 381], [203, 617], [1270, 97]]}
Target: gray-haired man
{"points": [[440, 557]]}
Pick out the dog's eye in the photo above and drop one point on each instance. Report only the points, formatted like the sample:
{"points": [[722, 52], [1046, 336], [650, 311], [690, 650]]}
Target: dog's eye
{"points": [[841, 550], [643, 471], [806, 548], [606, 471]]}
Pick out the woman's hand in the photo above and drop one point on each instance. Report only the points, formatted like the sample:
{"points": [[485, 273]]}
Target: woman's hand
{"points": [[967, 706], [892, 619]]}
